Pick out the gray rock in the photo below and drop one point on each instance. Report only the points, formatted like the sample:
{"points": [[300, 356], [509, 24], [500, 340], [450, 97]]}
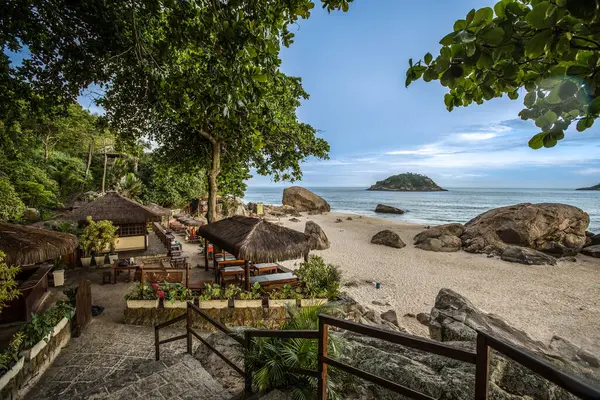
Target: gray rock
{"points": [[523, 255], [574, 353], [388, 238], [390, 316], [592, 251], [595, 239], [318, 238], [302, 199], [444, 238], [382, 208], [423, 318], [553, 228]]}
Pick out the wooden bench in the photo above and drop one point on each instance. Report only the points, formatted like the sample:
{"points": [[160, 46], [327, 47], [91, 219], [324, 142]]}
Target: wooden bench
{"points": [[171, 275], [266, 268], [274, 281]]}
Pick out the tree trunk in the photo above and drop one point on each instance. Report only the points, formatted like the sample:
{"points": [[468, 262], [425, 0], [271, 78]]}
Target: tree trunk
{"points": [[89, 160], [104, 173], [46, 141], [215, 169]]}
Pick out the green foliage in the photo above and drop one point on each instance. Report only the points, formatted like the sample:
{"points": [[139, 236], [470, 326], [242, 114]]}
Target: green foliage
{"points": [[142, 291], [253, 294], [33, 185], [97, 237], [175, 292], [42, 324], [212, 292], [10, 355], [550, 48], [69, 174], [11, 206], [286, 292], [272, 358], [320, 279], [8, 284], [129, 186], [408, 181], [231, 292]]}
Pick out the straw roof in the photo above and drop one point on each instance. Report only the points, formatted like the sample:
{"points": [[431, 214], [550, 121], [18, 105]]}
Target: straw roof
{"points": [[155, 208], [25, 245], [116, 208], [256, 240]]}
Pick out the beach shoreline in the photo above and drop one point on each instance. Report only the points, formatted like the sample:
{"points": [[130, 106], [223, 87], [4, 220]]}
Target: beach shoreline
{"points": [[543, 301]]}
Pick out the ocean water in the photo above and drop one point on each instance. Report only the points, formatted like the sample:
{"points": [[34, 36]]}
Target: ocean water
{"points": [[431, 208]]}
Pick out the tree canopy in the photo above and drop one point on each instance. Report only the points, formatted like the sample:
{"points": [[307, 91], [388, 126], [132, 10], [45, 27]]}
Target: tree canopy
{"points": [[550, 48]]}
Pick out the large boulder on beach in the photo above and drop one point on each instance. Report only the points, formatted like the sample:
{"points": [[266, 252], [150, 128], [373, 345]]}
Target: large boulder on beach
{"points": [[302, 199], [553, 228], [382, 208], [524, 255], [318, 238], [388, 238], [444, 238]]}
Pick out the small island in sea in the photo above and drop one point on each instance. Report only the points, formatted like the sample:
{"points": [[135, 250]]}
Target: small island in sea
{"points": [[407, 182], [595, 187]]}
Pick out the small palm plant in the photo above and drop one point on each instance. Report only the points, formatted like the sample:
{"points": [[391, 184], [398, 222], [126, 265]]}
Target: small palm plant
{"points": [[129, 186], [272, 359]]}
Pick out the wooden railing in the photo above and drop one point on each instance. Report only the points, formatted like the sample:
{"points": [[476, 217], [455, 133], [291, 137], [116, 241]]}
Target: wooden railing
{"points": [[480, 358]]}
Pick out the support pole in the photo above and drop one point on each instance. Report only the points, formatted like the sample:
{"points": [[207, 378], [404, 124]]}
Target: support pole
{"points": [[482, 368], [206, 254], [322, 378], [189, 329], [247, 274]]}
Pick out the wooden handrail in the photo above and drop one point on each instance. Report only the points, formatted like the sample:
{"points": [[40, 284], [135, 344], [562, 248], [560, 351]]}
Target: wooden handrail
{"points": [[215, 323], [286, 334], [170, 322]]}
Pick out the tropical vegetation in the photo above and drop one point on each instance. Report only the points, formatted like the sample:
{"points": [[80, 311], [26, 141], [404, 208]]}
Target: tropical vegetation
{"points": [[98, 237], [320, 279], [142, 291], [549, 48], [8, 284]]}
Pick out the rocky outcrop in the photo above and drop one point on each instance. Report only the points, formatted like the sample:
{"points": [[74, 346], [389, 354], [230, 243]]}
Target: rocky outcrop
{"points": [[318, 238], [523, 255], [231, 206], [440, 238], [382, 208], [557, 229], [407, 182], [302, 199], [388, 238], [592, 251]]}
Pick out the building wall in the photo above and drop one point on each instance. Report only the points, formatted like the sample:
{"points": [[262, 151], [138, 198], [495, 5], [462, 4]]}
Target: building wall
{"points": [[130, 243]]}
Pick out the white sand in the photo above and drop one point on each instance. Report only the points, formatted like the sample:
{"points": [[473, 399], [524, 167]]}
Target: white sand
{"points": [[542, 300]]}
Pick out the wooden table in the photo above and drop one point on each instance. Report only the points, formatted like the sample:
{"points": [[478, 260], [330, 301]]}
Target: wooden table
{"points": [[128, 268], [266, 268], [230, 271]]}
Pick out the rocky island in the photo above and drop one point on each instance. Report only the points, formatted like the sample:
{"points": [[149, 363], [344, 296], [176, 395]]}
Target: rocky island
{"points": [[407, 182], [595, 187]]}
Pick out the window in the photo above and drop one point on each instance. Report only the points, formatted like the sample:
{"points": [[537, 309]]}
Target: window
{"points": [[132, 230]]}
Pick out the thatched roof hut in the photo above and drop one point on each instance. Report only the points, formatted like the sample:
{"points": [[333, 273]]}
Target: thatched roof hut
{"points": [[155, 208], [24, 245], [116, 208], [256, 240]]}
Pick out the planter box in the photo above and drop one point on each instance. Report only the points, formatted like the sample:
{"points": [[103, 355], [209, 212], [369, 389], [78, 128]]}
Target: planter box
{"points": [[175, 304], [247, 303], [142, 303], [312, 302], [31, 353], [86, 261], [59, 327], [213, 304], [11, 373], [277, 303]]}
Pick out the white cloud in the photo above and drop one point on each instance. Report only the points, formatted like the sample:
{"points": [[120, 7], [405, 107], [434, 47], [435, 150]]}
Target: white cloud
{"points": [[589, 171], [474, 137]]}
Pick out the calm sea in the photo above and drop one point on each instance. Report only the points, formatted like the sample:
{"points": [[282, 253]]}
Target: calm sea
{"points": [[430, 208]]}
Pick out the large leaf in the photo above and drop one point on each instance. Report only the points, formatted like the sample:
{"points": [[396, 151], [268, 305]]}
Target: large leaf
{"points": [[483, 15], [536, 45], [493, 36], [537, 142], [538, 18]]}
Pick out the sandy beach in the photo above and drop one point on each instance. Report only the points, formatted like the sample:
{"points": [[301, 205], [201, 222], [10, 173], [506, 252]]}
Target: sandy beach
{"points": [[542, 300]]}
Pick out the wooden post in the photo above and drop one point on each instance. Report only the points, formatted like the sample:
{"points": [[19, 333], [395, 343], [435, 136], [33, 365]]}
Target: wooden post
{"points": [[206, 254], [482, 368], [156, 345], [189, 329], [248, 372], [247, 274], [187, 275], [306, 258], [83, 305], [322, 378]]}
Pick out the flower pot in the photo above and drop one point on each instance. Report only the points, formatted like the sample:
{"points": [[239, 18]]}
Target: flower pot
{"points": [[11, 373], [276, 303], [312, 302], [142, 303], [247, 303], [63, 322], [174, 304], [112, 258], [86, 261], [59, 277], [213, 304]]}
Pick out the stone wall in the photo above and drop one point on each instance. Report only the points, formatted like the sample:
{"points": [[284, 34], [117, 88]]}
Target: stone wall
{"points": [[33, 368], [263, 318]]}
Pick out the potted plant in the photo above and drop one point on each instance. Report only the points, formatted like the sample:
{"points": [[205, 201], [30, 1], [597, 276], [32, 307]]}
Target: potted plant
{"points": [[142, 296], [176, 295], [321, 281], [96, 238], [213, 296], [283, 297], [249, 299]]}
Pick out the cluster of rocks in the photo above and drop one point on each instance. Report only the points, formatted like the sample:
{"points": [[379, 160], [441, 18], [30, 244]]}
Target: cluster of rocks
{"points": [[525, 233]]}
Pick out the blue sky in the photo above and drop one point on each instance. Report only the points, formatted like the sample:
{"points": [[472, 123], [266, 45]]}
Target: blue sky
{"points": [[353, 65]]}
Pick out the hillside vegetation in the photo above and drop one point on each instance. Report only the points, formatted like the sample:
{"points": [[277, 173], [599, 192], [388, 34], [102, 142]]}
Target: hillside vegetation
{"points": [[407, 182]]}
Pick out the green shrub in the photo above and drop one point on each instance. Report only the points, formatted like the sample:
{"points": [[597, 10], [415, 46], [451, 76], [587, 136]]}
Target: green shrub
{"points": [[286, 292], [142, 291], [98, 236], [212, 292], [175, 292], [320, 279], [8, 284], [253, 294], [11, 354], [42, 324], [11, 206]]}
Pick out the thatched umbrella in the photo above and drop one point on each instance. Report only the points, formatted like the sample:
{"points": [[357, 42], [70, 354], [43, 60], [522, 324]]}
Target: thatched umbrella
{"points": [[24, 245], [256, 240]]}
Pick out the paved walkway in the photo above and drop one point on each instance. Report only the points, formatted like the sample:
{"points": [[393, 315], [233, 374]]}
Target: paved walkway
{"points": [[116, 361]]}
